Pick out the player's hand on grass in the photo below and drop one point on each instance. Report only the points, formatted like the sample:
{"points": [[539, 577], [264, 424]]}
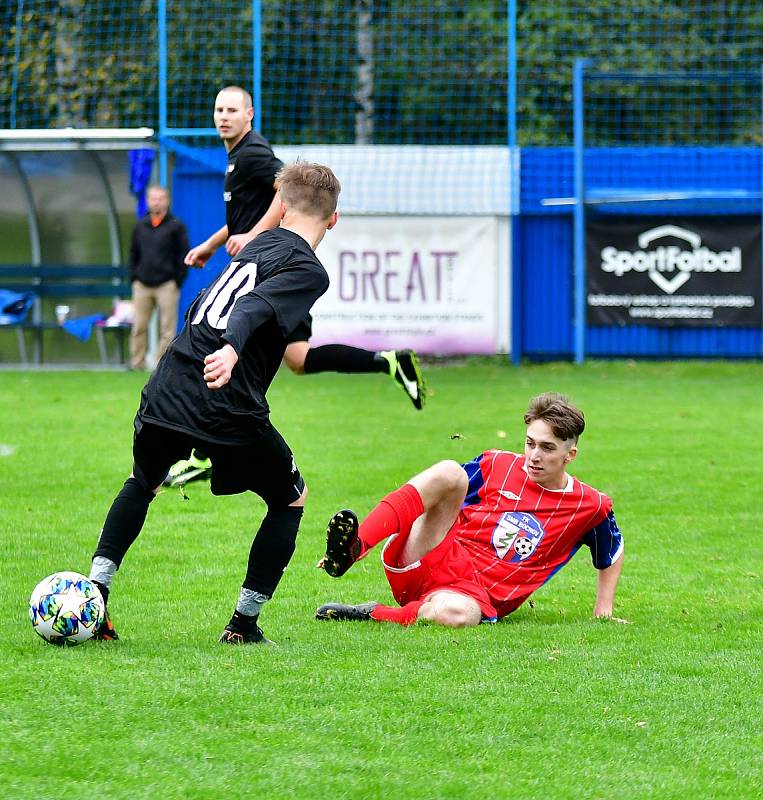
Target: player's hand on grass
{"points": [[218, 366], [199, 255], [606, 613], [320, 564], [237, 242]]}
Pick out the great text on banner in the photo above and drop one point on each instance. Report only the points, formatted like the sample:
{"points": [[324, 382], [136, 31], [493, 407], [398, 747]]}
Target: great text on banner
{"points": [[674, 271], [430, 283]]}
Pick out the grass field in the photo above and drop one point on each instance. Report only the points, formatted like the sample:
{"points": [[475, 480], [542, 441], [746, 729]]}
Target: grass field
{"points": [[550, 703]]}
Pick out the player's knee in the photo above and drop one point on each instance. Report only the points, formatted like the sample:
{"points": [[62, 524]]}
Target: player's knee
{"points": [[300, 502], [451, 611], [451, 477], [139, 480], [295, 355], [297, 366]]}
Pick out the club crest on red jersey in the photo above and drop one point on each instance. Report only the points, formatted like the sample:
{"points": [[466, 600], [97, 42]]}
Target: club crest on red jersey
{"points": [[516, 535]]}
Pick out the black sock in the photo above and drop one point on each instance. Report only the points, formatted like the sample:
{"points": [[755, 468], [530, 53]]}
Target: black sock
{"points": [[104, 590], [124, 521], [272, 549], [343, 358]]}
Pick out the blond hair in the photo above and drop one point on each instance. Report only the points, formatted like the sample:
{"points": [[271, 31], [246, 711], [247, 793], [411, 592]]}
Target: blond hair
{"points": [[311, 189]]}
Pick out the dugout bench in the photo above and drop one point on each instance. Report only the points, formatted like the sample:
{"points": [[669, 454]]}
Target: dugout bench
{"points": [[61, 283]]}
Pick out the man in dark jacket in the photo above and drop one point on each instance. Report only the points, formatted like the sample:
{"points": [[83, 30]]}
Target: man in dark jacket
{"points": [[157, 271]]}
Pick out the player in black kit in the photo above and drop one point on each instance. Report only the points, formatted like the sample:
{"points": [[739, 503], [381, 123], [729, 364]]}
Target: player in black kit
{"points": [[208, 391], [251, 206]]}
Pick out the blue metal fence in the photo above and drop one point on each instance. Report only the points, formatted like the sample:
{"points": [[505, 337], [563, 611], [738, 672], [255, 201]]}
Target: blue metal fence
{"points": [[670, 91]]}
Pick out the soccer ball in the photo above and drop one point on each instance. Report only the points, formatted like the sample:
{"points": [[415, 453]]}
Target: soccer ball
{"points": [[523, 546], [65, 608]]}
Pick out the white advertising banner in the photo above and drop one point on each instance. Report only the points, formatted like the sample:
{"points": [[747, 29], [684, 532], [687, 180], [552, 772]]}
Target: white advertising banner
{"points": [[429, 283]]}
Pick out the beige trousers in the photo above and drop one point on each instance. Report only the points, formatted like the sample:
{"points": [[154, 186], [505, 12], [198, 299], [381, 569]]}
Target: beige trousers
{"points": [[145, 298]]}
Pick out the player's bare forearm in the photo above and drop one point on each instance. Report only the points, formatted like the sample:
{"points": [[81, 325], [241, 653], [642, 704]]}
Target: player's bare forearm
{"points": [[199, 255], [218, 238], [607, 587], [218, 366]]}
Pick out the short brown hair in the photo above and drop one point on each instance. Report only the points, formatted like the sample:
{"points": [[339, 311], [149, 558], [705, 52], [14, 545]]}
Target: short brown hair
{"points": [[309, 188], [244, 94], [565, 420]]}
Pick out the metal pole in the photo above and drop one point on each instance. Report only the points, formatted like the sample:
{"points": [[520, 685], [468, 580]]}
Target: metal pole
{"points": [[162, 29], [515, 220], [511, 67], [578, 103], [257, 63], [34, 244], [112, 216], [31, 211]]}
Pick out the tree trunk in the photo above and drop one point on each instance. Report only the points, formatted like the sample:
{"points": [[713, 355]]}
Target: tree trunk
{"points": [[70, 88], [364, 93]]}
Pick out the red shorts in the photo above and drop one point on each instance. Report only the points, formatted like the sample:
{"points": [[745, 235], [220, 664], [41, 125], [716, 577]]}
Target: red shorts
{"points": [[446, 568]]}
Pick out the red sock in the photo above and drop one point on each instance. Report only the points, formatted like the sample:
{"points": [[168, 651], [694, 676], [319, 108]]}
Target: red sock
{"points": [[395, 513], [406, 615]]}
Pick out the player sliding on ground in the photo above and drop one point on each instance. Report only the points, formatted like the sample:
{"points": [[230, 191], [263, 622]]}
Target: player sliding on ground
{"points": [[470, 543], [209, 389]]}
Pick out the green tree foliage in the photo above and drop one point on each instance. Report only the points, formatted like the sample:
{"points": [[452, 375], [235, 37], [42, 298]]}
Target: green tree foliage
{"points": [[438, 68], [79, 63]]}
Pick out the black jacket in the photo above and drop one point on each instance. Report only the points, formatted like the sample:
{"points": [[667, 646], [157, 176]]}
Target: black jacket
{"points": [[157, 253]]}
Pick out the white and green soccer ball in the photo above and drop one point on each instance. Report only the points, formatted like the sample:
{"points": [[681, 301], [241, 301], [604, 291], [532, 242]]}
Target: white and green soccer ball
{"points": [[66, 608]]}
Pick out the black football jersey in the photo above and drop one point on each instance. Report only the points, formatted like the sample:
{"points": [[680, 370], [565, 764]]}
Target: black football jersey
{"points": [[248, 189], [254, 304]]}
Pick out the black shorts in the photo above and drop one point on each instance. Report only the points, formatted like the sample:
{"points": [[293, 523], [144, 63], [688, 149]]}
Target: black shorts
{"points": [[265, 467], [302, 332]]}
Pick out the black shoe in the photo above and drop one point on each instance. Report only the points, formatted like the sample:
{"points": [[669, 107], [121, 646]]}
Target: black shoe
{"points": [[345, 613], [105, 632], [243, 630], [187, 470], [408, 374], [342, 543]]}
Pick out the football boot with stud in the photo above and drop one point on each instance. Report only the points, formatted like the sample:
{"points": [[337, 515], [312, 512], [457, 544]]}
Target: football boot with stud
{"points": [[105, 632], [346, 613], [243, 629], [343, 546], [405, 369], [190, 469]]}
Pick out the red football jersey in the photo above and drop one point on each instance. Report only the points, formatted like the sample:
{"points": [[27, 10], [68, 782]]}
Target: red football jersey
{"points": [[520, 534]]}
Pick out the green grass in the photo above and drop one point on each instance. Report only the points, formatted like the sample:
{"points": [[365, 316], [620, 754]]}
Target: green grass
{"points": [[548, 704]]}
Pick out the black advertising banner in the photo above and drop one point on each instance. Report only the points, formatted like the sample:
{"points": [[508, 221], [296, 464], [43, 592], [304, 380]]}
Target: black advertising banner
{"points": [[674, 271]]}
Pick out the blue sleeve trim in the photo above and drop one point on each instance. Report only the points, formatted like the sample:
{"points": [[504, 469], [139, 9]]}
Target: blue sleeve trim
{"points": [[476, 481], [605, 542]]}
